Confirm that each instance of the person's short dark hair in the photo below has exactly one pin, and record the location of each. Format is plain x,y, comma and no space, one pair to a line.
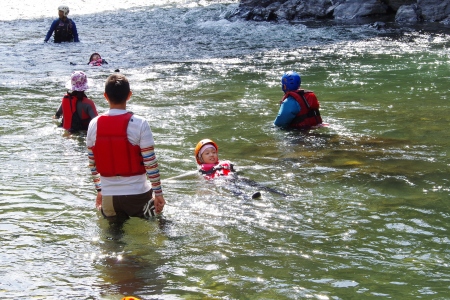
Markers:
92,55
117,88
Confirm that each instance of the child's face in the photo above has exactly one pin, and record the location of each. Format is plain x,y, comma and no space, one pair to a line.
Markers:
95,57
210,156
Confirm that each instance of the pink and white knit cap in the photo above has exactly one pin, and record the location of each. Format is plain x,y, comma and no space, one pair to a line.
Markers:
203,149
78,82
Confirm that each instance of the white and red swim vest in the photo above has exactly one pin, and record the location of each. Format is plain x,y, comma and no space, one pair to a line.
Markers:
114,154
211,171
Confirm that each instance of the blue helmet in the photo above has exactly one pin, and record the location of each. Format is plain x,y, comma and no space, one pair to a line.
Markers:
290,81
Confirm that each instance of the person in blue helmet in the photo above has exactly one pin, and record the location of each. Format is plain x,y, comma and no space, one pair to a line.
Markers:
299,109
64,28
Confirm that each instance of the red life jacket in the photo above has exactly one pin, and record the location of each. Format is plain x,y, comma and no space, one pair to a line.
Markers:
114,154
71,120
211,171
309,114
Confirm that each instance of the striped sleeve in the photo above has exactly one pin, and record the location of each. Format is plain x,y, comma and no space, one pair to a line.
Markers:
93,168
151,167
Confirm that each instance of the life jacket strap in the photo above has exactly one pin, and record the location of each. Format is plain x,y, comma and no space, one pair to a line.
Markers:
311,112
210,171
214,169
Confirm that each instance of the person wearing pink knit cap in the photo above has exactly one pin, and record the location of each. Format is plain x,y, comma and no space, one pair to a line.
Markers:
76,109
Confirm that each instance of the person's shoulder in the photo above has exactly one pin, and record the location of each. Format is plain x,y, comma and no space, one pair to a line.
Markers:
89,100
138,119
310,95
290,98
308,92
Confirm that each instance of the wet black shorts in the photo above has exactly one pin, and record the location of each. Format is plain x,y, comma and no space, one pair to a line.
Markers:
125,206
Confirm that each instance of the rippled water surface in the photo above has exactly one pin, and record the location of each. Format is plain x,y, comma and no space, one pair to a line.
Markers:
367,212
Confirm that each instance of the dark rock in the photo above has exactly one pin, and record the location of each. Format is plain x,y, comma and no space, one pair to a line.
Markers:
352,9
396,4
408,14
434,10
378,25
407,11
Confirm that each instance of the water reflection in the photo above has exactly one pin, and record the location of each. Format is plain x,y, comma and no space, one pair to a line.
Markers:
129,257
367,210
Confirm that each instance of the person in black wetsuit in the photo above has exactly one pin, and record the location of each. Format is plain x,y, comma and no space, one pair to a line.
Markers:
64,28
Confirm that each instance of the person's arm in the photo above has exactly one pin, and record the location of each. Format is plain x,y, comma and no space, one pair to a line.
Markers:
50,31
288,110
95,177
90,109
58,113
147,145
75,32
90,140
152,170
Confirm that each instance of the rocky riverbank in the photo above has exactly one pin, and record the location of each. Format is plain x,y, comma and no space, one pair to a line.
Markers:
402,11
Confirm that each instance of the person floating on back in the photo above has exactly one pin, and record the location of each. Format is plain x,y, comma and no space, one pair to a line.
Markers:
299,109
76,108
96,60
206,155
64,28
121,153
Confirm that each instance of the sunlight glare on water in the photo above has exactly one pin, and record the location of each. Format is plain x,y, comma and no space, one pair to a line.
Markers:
355,210
12,10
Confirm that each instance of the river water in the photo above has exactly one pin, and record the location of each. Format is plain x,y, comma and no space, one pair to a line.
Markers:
368,210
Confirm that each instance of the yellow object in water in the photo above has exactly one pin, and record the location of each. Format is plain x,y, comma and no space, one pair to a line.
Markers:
352,163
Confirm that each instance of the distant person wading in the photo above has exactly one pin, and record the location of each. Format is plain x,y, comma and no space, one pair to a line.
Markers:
64,28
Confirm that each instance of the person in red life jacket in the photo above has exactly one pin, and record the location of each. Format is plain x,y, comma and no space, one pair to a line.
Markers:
206,155
121,153
96,60
299,109
76,108
64,28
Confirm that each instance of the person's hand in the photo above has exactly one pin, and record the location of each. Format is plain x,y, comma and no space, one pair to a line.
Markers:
98,201
159,203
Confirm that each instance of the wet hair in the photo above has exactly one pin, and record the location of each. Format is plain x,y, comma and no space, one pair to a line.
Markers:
117,88
92,55
79,94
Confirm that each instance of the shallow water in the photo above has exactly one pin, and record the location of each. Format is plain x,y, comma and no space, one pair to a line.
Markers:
368,210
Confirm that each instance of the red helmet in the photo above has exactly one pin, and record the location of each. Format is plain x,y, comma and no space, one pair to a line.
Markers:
199,147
